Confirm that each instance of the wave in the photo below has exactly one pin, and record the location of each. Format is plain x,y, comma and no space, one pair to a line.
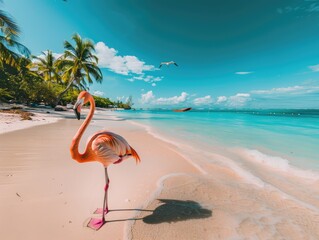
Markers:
276,163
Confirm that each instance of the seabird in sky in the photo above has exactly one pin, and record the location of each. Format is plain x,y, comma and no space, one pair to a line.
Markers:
168,63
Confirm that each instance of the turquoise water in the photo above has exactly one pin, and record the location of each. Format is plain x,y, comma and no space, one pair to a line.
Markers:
292,135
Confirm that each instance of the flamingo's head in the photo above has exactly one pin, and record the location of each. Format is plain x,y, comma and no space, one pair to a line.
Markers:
83,98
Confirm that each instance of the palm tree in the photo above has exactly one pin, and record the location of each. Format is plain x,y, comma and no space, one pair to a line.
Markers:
9,33
78,64
45,66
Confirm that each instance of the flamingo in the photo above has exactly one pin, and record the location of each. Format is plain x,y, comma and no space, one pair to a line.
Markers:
168,63
104,147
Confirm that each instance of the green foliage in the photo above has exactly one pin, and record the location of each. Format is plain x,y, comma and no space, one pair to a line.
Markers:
127,105
43,92
5,95
45,66
44,80
103,102
70,96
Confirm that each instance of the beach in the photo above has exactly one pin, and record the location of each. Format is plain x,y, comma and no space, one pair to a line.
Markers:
176,192
47,195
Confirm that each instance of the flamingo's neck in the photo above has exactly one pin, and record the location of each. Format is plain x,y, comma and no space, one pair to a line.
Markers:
74,149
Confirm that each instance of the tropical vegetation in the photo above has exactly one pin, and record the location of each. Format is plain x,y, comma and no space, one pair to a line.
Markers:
47,79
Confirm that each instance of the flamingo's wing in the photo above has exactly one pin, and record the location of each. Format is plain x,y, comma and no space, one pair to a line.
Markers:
107,147
110,147
103,151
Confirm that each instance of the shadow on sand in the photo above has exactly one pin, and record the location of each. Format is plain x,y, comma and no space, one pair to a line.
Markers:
171,211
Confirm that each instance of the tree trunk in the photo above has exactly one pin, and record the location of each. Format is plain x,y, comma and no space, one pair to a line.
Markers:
63,92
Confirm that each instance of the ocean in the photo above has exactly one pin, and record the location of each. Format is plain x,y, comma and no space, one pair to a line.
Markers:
276,149
278,138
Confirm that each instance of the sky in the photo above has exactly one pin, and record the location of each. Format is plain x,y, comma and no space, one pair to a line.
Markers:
230,53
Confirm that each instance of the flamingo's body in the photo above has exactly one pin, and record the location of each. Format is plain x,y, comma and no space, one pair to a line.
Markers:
104,147
168,63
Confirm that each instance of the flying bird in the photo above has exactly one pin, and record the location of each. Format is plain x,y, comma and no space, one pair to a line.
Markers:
168,63
104,147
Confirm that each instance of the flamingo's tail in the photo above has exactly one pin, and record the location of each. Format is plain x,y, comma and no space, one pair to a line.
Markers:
135,155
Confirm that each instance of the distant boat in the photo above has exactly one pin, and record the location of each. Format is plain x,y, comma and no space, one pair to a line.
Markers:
182,109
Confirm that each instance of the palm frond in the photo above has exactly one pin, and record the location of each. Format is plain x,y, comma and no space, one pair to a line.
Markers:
8,25
8,56
69,46
11,43
78,64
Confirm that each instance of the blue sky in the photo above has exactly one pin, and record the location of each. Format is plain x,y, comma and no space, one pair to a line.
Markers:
231,54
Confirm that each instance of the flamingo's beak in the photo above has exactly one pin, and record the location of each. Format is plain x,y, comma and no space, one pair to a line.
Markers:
77,108
77,114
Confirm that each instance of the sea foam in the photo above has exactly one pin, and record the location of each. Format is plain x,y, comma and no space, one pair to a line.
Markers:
276,163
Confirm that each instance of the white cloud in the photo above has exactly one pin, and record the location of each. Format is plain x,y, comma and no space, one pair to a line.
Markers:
221,99
147,97
238,100
146,78
154,84
314,68
203,100
242,95
109,58
141,77
157,79
243,73
135,65
172,100
284,90
98,93
260,97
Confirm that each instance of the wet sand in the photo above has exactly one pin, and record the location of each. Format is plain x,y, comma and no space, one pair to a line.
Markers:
208,209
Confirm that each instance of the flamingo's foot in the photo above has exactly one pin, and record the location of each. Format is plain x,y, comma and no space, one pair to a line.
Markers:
96,223
100,210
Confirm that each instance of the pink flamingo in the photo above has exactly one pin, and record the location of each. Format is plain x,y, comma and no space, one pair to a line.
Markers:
104,147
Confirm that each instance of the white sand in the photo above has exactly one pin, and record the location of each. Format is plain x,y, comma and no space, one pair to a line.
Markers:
11,122
44,194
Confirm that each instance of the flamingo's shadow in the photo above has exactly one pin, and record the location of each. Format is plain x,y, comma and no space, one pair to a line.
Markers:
171,211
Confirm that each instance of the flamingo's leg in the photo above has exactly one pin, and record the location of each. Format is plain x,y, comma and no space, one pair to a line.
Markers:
105,203
105,208
97,223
